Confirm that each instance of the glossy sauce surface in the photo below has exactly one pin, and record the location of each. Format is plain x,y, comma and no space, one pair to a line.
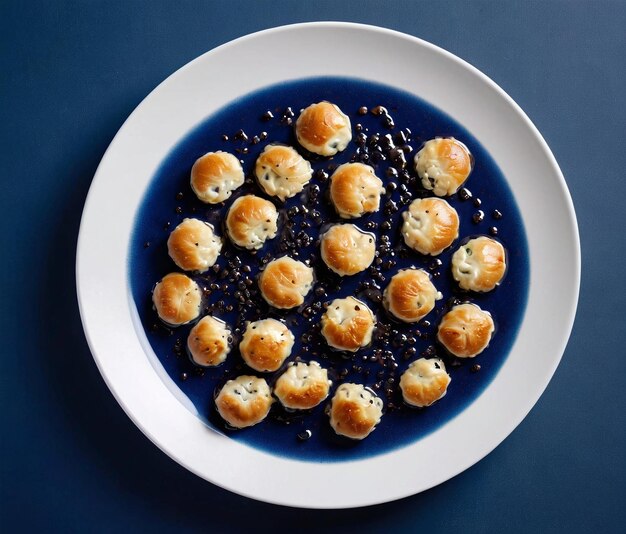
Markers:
389,127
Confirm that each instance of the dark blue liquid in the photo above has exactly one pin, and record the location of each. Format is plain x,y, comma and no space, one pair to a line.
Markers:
163,207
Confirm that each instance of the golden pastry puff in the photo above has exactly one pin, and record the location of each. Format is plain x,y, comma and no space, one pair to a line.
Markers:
266,344
430,225
215,176
323,129
443,164
410,295
480,264
244,401
193,245
177,299
285,282
346,249
348,324
208,342
302,386
251,221
466,330
424,382
355,411
282,172
355,190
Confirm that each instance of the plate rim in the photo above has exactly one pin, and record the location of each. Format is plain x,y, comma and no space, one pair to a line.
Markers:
563,190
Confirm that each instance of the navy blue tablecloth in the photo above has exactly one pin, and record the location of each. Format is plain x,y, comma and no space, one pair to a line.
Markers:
71,72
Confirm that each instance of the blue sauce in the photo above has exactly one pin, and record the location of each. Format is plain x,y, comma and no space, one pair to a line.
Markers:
308,436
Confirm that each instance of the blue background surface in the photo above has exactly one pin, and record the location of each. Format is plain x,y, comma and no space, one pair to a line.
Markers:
70,73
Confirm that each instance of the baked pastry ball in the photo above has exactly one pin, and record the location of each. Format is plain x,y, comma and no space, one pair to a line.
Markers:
302,386
215,176
466,330
323,129
430,225
348,324
424,382
251,221
355,190
208,343
347,249
480,264
285,282
282,172
266,344
177,299
443,164
410,295
355,411
244,401
194,246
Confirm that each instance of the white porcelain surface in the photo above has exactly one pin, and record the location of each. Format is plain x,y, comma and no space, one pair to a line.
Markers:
194,92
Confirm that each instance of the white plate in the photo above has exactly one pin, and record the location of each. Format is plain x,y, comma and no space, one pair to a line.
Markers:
208,83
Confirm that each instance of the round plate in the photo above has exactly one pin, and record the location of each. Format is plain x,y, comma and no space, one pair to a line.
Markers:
291,52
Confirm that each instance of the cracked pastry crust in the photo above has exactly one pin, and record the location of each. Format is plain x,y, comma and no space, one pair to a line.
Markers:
348,324
443,165
355,190
479,264
430,225
282,172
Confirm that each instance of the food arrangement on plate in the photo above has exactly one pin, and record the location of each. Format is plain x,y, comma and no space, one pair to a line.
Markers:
325,276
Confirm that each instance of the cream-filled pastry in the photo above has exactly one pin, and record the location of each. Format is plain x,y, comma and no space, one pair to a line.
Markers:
193,245
346,249
266,344
430,225
443,164
323,129
355,190
355,411
244,401
410,295
424,382
282,172
208,342
348,324
285,282
177,299
466,330
215,176
251,221
479,264
302,386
